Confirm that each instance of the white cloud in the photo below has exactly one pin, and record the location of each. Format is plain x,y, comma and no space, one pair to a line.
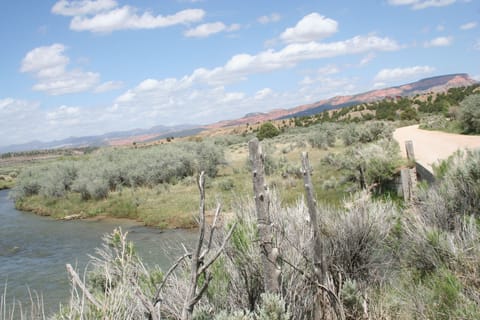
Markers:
263,93
439,42
328,70
69,82
273,17
321,87
396,74
21,115
366,60
241,65
108,86
468,26
49,65
208,29
104,16
82,7
201,96
422,4
312,27
126,18
378,85
45,60
64,115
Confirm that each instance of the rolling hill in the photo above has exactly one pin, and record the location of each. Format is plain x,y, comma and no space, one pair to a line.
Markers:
433,84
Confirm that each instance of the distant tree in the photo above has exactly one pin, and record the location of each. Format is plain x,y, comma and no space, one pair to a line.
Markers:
267,130
470,114
409,113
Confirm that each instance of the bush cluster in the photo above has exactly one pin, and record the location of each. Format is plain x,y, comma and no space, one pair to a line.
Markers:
366,132
110,170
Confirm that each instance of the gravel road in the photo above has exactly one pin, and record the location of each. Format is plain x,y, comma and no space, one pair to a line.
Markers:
431,146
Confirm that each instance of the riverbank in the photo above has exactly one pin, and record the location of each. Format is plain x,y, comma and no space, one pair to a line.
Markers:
143,206
34,251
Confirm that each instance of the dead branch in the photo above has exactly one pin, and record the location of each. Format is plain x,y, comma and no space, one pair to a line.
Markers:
167,275
199,267
76,281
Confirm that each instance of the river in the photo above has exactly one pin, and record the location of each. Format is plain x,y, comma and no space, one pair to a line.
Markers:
34,250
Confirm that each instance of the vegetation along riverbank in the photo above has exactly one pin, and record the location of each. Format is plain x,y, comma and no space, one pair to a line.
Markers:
350,148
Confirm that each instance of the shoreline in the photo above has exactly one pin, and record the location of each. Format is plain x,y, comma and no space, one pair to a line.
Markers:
72,215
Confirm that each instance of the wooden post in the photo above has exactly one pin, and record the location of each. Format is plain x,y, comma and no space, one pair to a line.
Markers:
271,273
318,256
406,185
409,183
409,149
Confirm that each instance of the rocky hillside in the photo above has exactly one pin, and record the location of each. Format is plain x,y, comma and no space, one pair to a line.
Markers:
433,84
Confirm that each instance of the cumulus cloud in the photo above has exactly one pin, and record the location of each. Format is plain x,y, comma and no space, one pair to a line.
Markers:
108,86
19,114
104,16
468,26
201,96
439,42
208,29
273,17
65,115
397,74
366,60
49,65
126,18
263,93
422,4
312,27
82,7
241,65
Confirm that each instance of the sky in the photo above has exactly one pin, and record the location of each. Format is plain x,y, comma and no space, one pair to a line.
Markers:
87,67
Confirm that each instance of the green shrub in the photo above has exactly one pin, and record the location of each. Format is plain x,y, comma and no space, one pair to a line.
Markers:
470,114
267,130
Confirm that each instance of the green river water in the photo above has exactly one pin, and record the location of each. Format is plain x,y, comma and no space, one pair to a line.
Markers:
34,250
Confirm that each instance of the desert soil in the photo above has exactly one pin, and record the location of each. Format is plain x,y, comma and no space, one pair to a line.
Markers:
431,146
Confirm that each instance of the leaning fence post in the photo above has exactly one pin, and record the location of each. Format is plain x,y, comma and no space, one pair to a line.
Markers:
317,249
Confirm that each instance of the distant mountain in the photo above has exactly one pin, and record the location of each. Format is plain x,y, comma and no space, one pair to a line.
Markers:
107,139
433,84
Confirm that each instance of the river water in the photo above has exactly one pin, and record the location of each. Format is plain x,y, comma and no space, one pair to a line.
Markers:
34,250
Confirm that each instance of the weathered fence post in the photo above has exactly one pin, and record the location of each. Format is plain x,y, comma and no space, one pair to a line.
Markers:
409,175
318,258
409,149
317,247
271,273
328,301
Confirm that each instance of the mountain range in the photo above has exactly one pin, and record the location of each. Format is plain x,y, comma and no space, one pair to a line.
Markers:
433,84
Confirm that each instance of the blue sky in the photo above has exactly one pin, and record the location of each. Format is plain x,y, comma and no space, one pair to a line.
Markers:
85,67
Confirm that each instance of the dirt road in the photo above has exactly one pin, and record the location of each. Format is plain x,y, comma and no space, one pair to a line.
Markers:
431,146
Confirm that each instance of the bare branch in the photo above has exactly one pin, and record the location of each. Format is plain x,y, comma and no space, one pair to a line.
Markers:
219,251
167,275
76,280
